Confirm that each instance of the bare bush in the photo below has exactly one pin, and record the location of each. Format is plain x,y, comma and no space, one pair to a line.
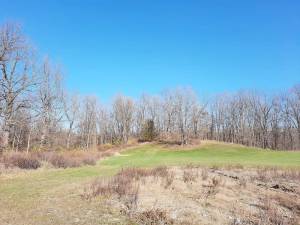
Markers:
118,185
291,174
89,160
134,173
137,173
56,159
262,175
122,186
189,175
100,187
288,202
69,159
169,179
161,171
21,161
212,188
269,214
153,216
60,161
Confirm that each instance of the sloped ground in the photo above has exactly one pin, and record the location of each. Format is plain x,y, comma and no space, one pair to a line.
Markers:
194,195
54,196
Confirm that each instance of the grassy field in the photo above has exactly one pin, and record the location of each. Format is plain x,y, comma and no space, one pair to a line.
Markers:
52,196
208,154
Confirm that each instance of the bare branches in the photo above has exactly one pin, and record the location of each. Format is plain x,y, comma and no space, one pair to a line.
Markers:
15,81
37,111
123,109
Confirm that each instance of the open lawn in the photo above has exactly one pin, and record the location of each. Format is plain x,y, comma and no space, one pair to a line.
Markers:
209,153
52,196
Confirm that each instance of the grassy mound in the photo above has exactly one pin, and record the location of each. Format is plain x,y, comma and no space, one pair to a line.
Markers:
52,196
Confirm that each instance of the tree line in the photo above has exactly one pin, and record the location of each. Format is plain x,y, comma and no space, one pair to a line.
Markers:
37,111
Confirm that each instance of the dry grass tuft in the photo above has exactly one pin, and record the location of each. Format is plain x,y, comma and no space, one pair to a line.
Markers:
190,175
136,193
270,214
123,187
266,174
212,188
288,202
153,217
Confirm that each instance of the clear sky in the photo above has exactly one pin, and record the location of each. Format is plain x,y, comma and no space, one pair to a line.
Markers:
109,46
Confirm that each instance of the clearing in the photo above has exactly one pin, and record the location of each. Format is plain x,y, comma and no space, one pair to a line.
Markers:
54,196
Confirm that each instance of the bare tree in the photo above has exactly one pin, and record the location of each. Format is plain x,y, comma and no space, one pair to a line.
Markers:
88,122
123,111
293,101
16,78
49,100
71,106
105,126
186,101
169,111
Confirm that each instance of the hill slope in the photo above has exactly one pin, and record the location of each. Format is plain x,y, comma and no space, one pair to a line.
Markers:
209,153
52,196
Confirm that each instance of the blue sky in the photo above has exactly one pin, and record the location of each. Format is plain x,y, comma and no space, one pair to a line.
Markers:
108,47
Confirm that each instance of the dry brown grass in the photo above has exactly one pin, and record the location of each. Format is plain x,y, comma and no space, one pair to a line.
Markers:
190,175
181,196
153,217
123,183
267,174
63,159
59,158
22,161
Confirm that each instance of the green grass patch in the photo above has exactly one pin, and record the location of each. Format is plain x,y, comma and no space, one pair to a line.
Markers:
208,154
25,192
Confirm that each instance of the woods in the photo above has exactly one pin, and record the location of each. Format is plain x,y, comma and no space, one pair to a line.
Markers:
38,112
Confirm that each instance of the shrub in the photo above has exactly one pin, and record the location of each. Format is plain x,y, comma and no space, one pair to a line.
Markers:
153,216
148,131
189,175
134,173
107,153
169,179
58,161
137,173
88,160
22,161
161,171
69,159
121,186
100,187
262,175
63,159
270,214
212,189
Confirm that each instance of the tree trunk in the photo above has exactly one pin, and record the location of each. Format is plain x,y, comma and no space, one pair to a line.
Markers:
28,141
4,139
69,135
